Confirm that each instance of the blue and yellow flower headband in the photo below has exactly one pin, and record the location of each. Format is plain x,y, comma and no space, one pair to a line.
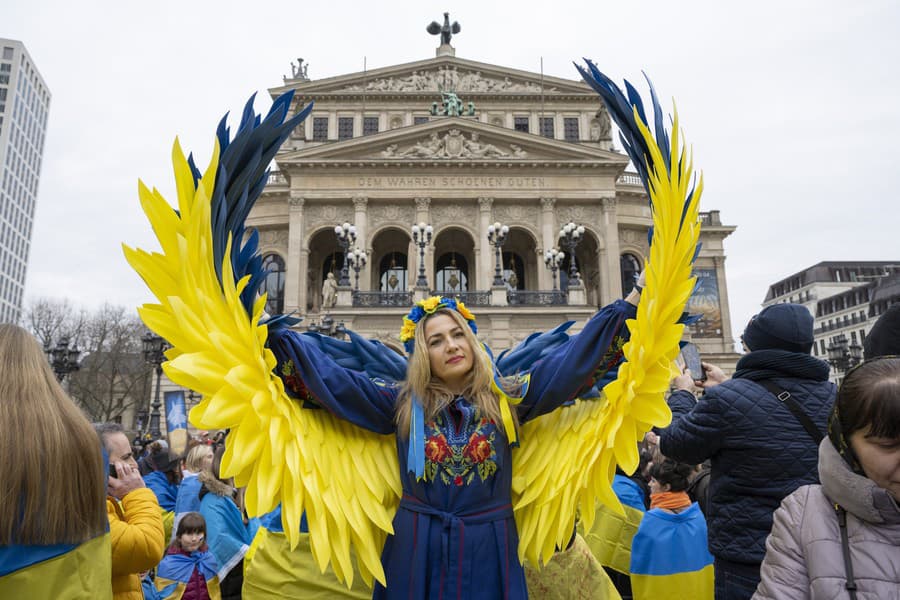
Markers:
429,306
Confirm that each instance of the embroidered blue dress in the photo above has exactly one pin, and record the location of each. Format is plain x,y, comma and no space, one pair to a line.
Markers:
454,533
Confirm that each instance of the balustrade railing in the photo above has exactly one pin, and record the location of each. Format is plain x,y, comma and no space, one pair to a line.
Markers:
469,298
537,297
404,299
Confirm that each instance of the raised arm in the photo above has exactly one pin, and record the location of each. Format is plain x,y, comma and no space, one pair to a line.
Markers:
573,368
311,375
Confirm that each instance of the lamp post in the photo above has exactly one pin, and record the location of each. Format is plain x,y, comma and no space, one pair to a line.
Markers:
842,355
63,359
569,237
154,353
357,260
553,258
421,234
346,237
497,235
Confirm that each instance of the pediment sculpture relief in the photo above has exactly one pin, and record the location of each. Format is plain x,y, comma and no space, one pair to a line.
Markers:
447,78
453,144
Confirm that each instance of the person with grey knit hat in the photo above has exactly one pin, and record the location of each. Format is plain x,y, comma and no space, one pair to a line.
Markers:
760,430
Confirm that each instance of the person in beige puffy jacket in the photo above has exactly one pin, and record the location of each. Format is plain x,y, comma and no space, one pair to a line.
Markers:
841,539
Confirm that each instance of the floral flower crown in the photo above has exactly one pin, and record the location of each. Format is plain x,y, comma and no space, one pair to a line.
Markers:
429,306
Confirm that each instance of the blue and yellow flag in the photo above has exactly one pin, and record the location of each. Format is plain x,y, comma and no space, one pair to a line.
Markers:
58,571
670,558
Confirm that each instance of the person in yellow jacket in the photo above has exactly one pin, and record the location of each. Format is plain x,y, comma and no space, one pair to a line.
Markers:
135,520
54,541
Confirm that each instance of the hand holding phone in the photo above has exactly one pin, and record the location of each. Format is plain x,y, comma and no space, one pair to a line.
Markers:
112,471
691,356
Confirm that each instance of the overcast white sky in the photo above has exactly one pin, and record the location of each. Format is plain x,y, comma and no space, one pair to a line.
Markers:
792,108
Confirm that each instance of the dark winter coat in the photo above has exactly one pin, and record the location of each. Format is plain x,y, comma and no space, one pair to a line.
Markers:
759,451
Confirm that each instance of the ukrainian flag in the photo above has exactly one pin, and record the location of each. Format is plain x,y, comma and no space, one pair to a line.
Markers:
76,572
610,537
670,558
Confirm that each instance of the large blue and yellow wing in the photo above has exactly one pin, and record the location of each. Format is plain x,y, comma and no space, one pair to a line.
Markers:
591,437
208,310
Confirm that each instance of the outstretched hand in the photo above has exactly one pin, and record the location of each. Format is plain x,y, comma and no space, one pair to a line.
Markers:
714,376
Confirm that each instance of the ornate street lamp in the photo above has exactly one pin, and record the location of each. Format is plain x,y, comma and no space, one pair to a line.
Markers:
421,234
154,348
553,258
569,237
842,355
346,237
497,235
63,359
357,260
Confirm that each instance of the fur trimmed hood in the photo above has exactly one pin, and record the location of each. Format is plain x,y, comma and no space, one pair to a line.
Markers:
217,487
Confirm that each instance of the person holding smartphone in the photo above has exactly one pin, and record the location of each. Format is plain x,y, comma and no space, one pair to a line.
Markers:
760,429
135,520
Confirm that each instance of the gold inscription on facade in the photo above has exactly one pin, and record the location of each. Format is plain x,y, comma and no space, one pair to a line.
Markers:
456,181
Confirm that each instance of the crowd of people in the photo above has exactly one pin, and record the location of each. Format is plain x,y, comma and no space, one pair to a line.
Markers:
772,483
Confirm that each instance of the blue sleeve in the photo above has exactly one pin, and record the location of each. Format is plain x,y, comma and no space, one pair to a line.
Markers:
697,428
573,368
312,376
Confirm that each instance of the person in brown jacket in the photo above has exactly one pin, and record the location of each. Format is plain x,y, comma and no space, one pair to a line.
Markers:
135,520
841,539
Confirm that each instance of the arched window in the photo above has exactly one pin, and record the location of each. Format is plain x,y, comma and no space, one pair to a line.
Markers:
513,271
392,273
630,267
273,284
452,274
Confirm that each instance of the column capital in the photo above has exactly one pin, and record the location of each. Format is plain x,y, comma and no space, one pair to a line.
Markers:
360,202
423,202
548,204
485,203
296,200
718,261
609,203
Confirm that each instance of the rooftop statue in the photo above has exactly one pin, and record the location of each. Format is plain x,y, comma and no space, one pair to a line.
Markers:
446,30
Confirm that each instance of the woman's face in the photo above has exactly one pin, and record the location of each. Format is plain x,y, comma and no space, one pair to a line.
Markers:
880,459
191,542
449,351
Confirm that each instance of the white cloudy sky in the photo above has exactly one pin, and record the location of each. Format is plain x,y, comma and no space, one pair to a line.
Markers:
793,108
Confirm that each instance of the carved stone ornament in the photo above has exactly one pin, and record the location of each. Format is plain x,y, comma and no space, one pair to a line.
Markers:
273,238
360,202
574,214
453,144
547,204
448,78
448,213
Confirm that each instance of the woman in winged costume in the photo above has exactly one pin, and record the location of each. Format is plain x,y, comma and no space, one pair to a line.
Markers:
410,466
454,420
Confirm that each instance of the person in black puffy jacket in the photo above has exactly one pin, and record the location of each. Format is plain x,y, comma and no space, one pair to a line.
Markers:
759,450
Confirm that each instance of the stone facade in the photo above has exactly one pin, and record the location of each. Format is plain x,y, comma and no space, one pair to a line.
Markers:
536,155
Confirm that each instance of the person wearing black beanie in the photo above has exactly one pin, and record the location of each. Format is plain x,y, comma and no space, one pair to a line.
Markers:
884,338
760,450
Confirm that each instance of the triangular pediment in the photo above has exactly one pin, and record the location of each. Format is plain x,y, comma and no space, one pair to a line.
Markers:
444,73
449,139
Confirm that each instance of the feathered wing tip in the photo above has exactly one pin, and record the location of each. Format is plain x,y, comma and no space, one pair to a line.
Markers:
592,437
243,173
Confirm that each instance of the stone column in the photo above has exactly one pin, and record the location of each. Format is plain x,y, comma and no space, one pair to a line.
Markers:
303,280
295,273
727,339
361,220
548,240
423,215
485,263
611,278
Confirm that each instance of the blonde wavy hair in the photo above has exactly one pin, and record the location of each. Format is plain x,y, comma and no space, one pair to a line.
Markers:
435,395
194,460
53,476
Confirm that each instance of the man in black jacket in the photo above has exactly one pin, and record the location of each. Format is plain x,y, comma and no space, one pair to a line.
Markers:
759,450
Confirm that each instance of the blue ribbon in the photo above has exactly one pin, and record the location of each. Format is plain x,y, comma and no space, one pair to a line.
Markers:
416,457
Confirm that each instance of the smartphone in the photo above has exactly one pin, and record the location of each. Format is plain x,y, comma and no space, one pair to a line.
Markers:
112,472
691,356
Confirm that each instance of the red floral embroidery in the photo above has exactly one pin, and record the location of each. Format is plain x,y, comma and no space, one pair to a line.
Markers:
478,449
457,480
436,448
